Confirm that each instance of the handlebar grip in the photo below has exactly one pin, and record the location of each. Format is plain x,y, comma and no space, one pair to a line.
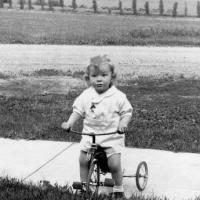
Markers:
120,132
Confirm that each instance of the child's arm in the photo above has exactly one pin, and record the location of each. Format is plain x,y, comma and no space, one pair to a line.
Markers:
123,124
74,117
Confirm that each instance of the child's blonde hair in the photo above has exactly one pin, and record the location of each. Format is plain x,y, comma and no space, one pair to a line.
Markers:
96,62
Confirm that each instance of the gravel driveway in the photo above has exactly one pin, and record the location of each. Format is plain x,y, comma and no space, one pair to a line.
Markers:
135,61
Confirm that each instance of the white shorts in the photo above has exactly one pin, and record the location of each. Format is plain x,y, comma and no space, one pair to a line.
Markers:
109,150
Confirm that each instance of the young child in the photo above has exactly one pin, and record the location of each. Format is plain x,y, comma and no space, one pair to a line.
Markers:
104,109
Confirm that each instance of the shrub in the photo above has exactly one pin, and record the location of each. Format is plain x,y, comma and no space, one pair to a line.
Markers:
161,7
174,11
134,7
146,6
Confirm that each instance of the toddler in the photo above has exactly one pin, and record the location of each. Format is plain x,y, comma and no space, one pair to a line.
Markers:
104,109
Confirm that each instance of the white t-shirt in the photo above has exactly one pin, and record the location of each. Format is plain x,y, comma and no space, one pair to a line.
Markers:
101,114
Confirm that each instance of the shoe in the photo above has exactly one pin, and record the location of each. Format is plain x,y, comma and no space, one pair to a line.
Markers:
119,196
80,192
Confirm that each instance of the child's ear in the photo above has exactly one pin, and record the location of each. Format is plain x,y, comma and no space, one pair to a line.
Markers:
114,76
87,79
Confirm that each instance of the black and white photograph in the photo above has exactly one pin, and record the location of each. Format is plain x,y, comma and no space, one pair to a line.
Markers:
99,99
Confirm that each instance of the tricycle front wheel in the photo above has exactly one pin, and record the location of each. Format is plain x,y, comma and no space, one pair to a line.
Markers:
93,181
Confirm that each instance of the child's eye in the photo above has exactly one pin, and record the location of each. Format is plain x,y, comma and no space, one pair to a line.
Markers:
104,74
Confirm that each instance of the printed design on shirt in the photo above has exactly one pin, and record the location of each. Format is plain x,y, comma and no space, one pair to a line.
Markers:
93,106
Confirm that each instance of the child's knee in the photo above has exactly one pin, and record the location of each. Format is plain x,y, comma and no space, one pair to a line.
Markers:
114,163
83,159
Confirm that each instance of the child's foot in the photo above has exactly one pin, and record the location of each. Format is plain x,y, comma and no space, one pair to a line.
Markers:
119,196
80,192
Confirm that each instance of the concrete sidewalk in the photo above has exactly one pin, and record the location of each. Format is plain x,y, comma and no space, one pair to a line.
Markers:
174,175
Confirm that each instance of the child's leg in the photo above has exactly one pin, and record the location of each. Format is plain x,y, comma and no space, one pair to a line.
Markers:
83,166
114,164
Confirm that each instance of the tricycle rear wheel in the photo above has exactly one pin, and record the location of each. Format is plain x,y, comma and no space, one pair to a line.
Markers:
141,176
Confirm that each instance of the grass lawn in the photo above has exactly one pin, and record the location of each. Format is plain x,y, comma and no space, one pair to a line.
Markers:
101,29
12,189
166,111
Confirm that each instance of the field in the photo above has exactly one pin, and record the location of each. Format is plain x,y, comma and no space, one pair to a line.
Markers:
30,27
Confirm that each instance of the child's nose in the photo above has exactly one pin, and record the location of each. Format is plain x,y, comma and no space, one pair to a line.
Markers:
99,78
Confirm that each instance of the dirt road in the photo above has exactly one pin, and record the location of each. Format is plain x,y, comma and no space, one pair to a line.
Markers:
134,61
174,175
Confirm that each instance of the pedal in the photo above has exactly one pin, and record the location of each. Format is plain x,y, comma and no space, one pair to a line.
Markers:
77,185
108,182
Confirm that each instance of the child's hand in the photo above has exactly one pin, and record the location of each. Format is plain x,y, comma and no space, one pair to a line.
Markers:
122,128
66,126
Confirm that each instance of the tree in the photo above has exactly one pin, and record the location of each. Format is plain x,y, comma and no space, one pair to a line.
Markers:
1,4
161,7
62,3
21,2
42,4
186,9
198,9
174,11
30,5
10,3
134,7
74,5
94,3
146,6
120,8
50,5
109,11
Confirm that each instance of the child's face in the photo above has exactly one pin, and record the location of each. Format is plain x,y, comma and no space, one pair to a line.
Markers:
100,78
